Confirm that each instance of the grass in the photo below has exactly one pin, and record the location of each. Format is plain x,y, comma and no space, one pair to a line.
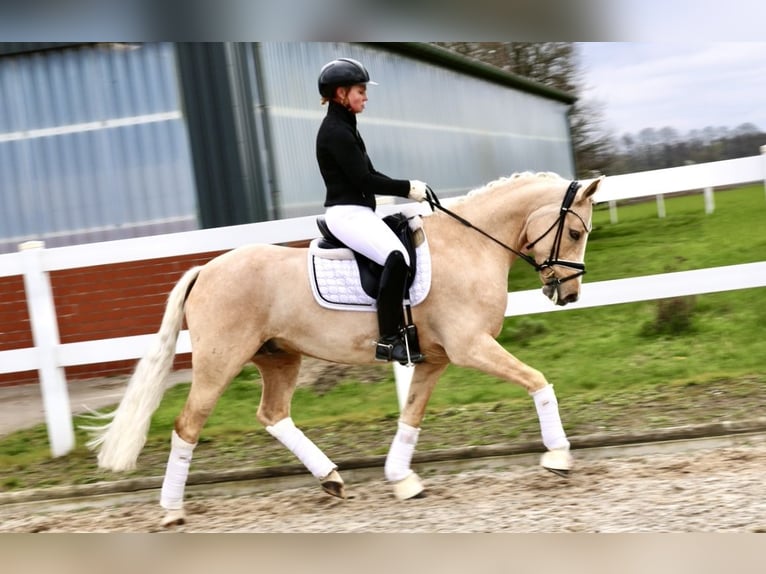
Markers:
617,368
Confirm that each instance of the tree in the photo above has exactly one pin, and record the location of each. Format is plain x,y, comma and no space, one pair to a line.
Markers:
656,149
593,145
554,64
746,129
596,150
550,63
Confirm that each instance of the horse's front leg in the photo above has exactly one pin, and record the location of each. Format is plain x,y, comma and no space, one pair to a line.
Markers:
406,483
486,354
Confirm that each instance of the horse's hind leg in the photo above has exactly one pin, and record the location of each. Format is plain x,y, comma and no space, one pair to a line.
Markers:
210,376
279,372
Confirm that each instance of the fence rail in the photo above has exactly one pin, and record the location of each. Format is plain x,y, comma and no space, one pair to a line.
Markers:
49,356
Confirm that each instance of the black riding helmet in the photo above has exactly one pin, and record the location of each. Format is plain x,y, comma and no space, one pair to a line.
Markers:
341,72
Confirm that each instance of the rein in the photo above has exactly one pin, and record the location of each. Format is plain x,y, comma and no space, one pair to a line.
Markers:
553,258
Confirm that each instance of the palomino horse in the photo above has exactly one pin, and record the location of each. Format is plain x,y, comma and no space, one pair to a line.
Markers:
254,303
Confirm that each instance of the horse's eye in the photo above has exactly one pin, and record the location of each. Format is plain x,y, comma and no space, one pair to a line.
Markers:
574,234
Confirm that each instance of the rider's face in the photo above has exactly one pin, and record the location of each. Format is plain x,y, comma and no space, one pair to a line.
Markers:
355,98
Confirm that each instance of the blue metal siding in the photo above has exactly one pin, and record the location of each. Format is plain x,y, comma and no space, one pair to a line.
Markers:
93,146
422,121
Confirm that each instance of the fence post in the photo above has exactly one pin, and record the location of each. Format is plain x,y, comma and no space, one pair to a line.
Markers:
45,334
660,206
709,201
763,162
403,377
613,211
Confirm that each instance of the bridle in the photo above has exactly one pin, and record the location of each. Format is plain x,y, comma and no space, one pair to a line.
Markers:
553,257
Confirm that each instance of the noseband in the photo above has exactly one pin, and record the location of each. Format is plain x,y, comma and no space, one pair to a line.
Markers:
553,257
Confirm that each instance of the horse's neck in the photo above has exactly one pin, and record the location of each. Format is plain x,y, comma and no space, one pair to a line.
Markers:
502,213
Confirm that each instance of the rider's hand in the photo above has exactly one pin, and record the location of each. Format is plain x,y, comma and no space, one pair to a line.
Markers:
417,190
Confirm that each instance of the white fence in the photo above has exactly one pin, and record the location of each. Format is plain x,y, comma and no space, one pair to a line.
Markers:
704,176
49,356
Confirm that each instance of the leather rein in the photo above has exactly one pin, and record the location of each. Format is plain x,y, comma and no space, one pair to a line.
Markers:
553,257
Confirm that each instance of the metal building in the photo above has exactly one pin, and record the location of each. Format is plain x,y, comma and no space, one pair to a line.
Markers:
107,141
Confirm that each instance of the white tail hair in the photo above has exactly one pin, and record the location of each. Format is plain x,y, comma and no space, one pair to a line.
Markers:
120,441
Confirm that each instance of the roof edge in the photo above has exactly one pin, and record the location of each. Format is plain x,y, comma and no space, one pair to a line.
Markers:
454,61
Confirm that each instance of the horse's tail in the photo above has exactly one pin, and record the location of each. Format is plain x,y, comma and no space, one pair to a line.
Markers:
120,441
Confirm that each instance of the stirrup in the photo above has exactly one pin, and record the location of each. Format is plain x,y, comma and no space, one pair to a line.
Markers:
394,348
384,348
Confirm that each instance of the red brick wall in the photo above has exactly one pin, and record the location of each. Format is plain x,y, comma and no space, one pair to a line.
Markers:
15,332
14,318
101,302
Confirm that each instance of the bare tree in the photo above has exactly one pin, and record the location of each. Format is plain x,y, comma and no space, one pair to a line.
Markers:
550,63
745,129
596,150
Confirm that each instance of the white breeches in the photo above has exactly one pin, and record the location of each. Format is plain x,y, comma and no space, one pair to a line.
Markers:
364,231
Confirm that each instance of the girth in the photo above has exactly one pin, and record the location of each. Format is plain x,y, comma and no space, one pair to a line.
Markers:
369,271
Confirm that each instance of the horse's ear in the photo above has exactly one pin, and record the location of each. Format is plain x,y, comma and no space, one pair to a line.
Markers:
589,190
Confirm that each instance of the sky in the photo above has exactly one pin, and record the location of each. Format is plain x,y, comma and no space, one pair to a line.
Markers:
684,85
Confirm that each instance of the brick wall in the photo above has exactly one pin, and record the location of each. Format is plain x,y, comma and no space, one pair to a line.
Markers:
101,302
15,332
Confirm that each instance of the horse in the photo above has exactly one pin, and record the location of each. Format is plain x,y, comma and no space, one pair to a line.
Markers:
254,304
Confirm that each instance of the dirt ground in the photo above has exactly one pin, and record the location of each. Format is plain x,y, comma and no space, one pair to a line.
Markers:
716,489
710,489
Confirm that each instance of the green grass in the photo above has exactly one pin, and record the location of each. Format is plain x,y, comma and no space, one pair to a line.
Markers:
603,346
628,366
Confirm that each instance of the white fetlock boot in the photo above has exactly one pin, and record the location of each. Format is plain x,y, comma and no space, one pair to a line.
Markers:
405,482
558,458
310,455
174,483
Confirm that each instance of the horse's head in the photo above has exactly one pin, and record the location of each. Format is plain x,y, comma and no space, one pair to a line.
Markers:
556,235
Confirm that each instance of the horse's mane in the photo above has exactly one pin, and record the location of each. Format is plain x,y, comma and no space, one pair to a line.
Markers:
513,180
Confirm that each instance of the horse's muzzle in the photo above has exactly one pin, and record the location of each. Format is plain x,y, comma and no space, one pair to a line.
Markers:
551,290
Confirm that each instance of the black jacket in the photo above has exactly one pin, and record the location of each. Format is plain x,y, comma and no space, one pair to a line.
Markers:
345,166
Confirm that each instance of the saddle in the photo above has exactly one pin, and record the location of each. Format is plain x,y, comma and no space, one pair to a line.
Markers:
369,271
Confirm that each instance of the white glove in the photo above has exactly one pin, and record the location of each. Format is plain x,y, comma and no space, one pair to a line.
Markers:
417,190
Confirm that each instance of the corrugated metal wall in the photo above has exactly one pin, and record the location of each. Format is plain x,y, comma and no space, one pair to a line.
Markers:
93,146
422,121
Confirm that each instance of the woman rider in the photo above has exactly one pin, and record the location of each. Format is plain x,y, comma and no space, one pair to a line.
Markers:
352,184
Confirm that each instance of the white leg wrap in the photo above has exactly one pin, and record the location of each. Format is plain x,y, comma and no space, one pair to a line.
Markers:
301,446
176,473
547,407
400,454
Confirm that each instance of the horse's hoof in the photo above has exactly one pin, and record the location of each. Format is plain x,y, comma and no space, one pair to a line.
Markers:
332,484
561,473
409,487
558,461
174,518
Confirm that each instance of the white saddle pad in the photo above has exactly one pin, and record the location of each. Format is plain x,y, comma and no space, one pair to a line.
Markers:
335,282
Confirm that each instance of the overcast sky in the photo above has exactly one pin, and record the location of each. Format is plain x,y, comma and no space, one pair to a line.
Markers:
682,85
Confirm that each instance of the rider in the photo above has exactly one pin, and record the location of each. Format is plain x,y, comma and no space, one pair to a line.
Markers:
352,183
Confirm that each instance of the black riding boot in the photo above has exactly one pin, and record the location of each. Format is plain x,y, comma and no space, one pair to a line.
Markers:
392,344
